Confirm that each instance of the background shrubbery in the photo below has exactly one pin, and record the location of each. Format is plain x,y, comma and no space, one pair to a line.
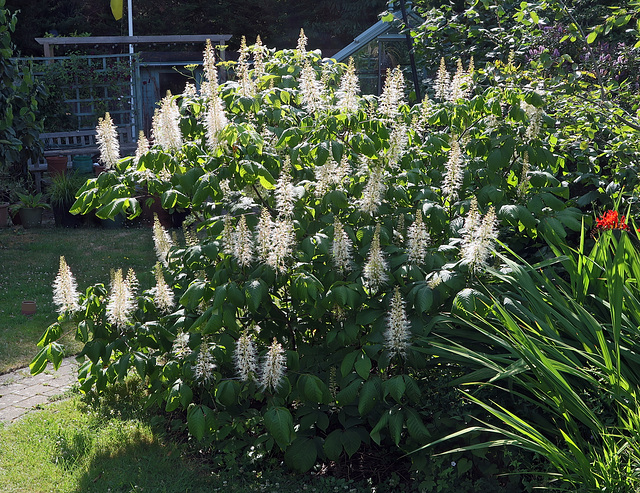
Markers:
339,277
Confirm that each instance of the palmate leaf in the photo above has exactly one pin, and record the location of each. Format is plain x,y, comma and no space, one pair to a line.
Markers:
53,333
52,352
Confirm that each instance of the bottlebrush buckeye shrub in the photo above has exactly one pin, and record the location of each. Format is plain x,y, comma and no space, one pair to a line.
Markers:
328,231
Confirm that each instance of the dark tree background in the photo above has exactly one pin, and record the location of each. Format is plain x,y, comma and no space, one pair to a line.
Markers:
329,24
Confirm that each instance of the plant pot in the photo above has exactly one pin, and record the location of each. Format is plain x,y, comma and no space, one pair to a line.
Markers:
57,164
97,169
64,219
28,307
116,223
4,214
15,217
150,205
31,217
82,164
178,217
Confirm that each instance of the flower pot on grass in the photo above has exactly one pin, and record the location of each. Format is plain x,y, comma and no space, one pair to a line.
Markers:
62,192
31,217
116,223
28,307
29,209
4,214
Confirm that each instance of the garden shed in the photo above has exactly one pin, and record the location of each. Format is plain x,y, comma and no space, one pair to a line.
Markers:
380,47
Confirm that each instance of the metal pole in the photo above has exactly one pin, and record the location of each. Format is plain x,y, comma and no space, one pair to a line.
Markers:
130,19
412,59
133,73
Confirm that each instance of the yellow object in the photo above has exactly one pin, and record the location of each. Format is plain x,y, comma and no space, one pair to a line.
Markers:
116,9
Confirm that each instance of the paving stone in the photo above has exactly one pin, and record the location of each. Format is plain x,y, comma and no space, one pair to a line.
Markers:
32,401
19,391
13,399
51,391
12,413
14,388
42,378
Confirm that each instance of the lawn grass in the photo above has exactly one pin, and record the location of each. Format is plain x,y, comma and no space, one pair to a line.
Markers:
29,261
71,447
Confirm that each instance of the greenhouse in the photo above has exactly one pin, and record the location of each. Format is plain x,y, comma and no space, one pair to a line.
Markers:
383,46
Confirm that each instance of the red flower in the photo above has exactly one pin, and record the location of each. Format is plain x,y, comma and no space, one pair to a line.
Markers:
610,220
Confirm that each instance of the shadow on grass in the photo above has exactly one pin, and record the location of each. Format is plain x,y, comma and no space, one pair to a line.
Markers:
143,463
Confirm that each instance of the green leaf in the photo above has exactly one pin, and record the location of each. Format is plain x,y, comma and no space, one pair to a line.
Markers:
424,299
55,354
368,316
348,394
333,445
122,366
347,363
395,387
369,396
350,441
337,148
226,393
364,145
363,366
186,395
592,37
193,295
279,424
463,465
312,388
39,362
53,333
179,393
396,420
415,426
301,455
196,422
380,425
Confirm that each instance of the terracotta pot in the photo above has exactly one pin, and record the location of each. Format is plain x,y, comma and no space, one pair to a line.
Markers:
4,214
57,164
28,307
97,169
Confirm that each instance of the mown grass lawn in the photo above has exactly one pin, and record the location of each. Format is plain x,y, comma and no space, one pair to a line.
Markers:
70,446
29,261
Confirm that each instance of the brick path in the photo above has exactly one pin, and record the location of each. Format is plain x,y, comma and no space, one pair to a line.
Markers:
20,392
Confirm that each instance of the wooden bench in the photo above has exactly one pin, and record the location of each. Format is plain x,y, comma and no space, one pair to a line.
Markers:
75,143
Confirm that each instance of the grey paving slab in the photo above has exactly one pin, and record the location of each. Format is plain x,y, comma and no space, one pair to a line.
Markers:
13,388
21,392
33,401
13,413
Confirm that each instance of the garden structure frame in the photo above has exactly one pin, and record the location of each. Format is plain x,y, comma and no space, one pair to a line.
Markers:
137,113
